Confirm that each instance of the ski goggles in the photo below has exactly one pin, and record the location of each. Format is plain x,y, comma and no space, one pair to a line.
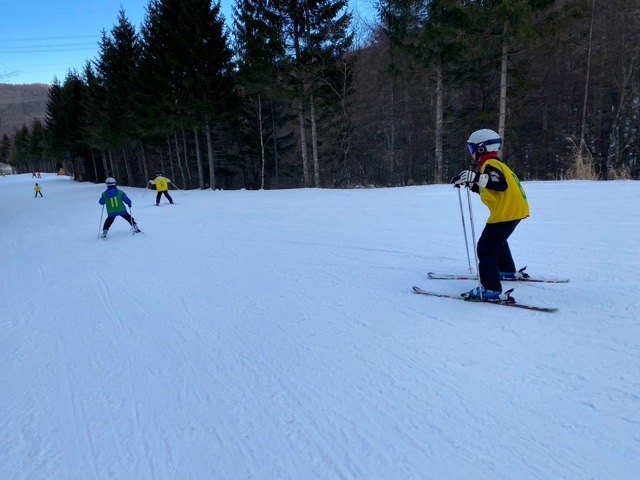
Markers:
473,147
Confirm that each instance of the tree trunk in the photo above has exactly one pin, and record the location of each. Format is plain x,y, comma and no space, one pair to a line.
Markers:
439,127
145,167
275,143
303,138
503,80
175,137
127,167
196,139
114,166
210,157
95,167
104,163
171,162
186,157
392,140
583,127
314,141
261,132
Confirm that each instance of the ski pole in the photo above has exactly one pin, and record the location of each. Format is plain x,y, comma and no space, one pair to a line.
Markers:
473,238
145,190
100,224
174,185
132,220
464,230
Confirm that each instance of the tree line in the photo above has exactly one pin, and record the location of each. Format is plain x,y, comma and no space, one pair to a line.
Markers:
295,93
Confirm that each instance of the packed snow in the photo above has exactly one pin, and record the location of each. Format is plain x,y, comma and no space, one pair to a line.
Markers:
275,335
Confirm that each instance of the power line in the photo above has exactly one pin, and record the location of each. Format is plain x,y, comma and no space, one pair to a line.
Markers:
49,50
37,39
21,48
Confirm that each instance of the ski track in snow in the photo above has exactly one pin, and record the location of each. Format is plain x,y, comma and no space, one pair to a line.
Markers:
275,335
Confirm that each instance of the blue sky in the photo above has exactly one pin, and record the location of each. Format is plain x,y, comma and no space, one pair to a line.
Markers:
43,39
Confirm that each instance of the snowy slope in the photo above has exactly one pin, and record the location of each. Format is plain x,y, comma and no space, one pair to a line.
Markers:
274,335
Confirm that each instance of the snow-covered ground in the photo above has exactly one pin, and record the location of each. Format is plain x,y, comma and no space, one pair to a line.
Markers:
274,335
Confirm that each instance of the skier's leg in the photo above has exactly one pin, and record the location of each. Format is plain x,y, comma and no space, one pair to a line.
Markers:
505,259
490,247
487,259
108,222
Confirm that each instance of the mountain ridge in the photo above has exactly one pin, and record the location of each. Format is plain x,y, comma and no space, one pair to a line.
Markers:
21,105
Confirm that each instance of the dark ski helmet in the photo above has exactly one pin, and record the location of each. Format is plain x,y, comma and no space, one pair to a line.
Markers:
110,181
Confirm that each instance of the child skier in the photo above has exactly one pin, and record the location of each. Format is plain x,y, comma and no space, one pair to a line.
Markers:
115,200
38,190
162,186
501,192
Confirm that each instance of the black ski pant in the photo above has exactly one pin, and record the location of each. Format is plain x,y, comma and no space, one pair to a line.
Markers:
38,193
494,255
109,221
166,194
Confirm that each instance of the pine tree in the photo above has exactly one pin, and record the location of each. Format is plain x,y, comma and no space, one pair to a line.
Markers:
186,71
433,33
261,65
317,40
5,148
116,87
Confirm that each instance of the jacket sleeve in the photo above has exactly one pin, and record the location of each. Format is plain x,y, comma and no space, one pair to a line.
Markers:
496,180
101,201
126,199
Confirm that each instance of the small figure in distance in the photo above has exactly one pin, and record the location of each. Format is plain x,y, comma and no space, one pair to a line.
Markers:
162,187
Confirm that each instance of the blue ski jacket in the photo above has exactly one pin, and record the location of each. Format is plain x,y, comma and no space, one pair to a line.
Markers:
111,193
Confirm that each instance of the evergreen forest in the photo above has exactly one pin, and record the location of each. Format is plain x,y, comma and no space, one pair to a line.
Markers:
302,93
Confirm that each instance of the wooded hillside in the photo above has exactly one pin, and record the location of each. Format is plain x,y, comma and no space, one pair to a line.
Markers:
295,95
20,105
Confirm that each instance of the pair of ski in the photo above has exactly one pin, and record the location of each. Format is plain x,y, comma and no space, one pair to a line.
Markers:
521,276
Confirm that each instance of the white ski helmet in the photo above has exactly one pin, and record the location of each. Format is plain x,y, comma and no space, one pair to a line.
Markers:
110,181
484,140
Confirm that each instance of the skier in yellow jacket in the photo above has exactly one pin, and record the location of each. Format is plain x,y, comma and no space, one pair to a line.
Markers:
162,186
501,192
38,190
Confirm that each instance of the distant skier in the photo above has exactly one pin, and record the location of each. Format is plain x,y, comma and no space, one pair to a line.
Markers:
115,200
162,186
501,192
38,190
